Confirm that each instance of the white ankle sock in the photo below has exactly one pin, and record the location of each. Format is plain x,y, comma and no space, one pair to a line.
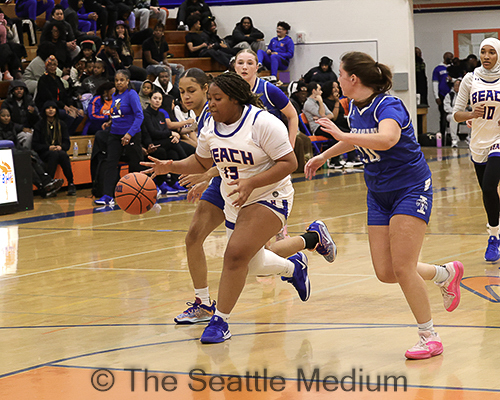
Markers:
203,295
441,274
224,317
428,326
493,230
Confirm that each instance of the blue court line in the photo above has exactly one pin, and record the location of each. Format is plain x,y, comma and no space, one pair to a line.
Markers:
97,210
57,362
332,324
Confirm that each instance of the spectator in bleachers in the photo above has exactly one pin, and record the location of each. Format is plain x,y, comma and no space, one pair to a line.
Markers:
191,7
10,64
156,131
87,21
68,34
51,88
124,135
209,27
155,55
55,33
163,84
322,73
106,15
36,68
99,109
331,98
51,141
22,110
9,130
303,147
314,109
198,45
88,51
15,32
126,53
77,74
109,55
246,36
147,9
98,78
145,93
30,9
279,51
82,22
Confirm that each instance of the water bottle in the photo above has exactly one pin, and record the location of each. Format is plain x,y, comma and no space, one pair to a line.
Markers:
75,150
439,142
89,148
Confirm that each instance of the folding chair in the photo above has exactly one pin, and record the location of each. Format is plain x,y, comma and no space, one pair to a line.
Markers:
317,141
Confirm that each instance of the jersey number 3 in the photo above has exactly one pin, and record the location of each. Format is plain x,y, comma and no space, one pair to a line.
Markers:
231,172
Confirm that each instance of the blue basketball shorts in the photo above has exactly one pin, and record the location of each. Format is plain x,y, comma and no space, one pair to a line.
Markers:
212,194
414,200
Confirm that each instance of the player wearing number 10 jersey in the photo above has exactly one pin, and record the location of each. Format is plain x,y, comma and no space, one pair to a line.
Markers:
482,89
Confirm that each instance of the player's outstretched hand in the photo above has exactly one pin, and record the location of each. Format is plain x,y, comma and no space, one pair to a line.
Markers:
331,128
243,187
312,166
157,167
195,191
193,179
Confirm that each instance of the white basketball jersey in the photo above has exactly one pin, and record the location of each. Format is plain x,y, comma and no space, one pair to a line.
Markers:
245,149
485,130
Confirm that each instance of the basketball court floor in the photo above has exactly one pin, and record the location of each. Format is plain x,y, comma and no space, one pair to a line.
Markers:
88,297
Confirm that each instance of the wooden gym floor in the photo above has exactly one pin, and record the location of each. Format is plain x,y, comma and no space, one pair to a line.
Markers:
83,290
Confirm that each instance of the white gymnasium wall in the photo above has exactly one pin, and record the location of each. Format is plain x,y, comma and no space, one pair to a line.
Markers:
389,22
434,36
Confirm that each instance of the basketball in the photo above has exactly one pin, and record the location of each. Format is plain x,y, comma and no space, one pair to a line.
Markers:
135,193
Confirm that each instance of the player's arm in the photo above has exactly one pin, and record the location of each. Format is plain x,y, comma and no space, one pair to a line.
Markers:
316,162
284,166
193,164
387,136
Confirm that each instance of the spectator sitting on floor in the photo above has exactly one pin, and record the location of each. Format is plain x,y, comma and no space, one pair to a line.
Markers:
51,141
322,73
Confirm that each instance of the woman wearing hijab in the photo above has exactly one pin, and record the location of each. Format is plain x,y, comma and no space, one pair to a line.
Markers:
481,88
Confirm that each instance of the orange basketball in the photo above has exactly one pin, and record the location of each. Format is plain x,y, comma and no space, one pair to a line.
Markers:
135,193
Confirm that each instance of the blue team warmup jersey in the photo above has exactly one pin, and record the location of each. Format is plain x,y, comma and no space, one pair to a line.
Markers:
273,97
403,165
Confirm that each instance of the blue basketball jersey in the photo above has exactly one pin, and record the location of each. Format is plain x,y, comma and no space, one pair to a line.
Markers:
202,118
401,166
273,97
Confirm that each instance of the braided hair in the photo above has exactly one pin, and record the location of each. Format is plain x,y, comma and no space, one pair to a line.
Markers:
237,88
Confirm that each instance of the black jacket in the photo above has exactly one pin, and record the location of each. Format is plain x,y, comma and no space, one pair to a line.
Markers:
154,127
20,114
238,35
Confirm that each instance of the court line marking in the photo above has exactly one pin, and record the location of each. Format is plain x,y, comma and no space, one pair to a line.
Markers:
57,362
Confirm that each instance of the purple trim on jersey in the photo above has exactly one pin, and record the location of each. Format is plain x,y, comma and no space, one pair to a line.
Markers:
283,210
255,118
202,118
236,130
229,225
485,81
